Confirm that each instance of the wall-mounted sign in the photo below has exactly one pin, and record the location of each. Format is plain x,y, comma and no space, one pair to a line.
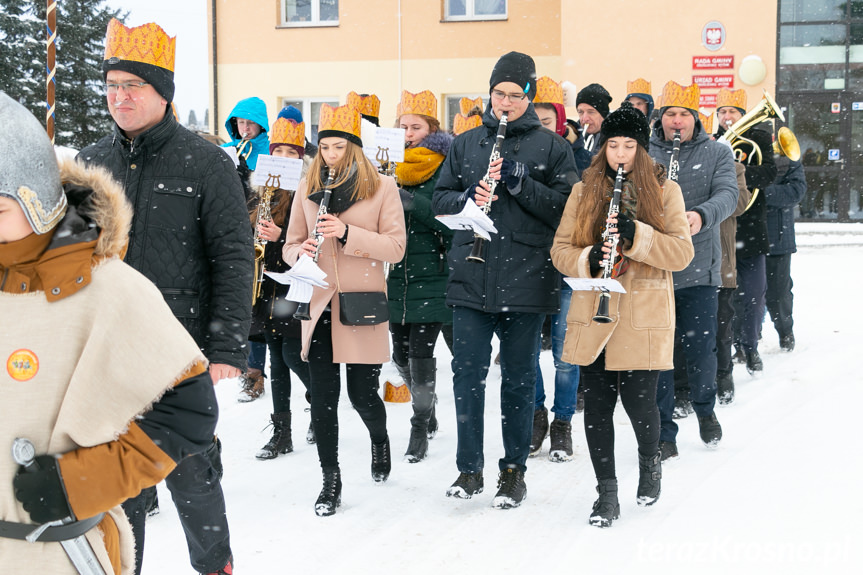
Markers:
714,81
707,101
857,106
832,154
835,107
713,35
712,62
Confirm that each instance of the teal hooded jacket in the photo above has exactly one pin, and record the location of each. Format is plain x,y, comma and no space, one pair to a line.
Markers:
255,110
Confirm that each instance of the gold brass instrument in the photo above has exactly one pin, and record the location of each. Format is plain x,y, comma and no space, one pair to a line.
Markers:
387,167
608,264
766,108
786,144
264,213
477,252
244,147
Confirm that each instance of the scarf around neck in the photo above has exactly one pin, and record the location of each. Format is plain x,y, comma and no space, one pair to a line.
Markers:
419,166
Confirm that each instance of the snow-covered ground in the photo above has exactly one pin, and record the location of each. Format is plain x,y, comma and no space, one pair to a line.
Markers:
778,496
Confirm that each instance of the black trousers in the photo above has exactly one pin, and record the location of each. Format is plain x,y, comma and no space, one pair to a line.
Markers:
285,358
638,395
196,489
363,382
780,300
724,331
414,340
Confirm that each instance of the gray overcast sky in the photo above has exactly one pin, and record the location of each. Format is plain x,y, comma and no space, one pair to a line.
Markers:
187,20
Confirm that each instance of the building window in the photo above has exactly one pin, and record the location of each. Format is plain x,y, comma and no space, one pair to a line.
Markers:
474,9
311,109
452,105
310,13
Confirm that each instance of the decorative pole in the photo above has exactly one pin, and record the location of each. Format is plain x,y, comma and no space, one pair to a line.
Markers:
52,66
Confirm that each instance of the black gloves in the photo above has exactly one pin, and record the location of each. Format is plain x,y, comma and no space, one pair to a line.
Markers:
595,257
407,199
511,174
40,490
625,226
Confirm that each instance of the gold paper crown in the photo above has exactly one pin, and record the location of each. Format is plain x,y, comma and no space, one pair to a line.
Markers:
548,92
342,119
726,97
366,105
673,94
462,123
287,131
423,103
148,44
640,86
706,122
466,105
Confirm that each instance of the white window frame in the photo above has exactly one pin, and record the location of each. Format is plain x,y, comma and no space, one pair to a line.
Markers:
470,13
314,22
305,106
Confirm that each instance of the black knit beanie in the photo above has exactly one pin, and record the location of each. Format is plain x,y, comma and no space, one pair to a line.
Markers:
160,78
628,122
596,96
517,68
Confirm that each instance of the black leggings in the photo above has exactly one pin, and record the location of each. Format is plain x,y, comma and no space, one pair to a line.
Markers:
363,385
285,358
638,395
414,340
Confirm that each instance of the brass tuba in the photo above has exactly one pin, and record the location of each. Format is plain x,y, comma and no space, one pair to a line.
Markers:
766,108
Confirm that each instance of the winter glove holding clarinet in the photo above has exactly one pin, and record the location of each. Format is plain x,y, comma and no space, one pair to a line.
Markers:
40,490
512,174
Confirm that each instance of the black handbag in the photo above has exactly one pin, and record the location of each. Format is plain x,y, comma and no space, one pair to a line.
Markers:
363,307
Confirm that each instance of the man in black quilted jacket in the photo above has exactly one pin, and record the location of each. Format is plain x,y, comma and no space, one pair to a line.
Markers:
191,237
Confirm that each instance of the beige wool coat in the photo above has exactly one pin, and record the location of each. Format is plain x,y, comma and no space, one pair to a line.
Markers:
376,236
641,337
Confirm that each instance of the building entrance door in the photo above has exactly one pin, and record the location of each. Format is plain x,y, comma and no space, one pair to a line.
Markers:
829,127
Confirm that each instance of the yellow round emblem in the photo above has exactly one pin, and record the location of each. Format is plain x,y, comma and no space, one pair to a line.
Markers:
22,365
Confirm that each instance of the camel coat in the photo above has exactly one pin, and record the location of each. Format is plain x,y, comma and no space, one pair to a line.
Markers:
376,235
641,337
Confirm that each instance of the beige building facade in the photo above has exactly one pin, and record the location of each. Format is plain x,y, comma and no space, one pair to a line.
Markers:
808,55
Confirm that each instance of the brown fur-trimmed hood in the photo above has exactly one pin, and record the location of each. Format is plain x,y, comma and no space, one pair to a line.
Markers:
98,199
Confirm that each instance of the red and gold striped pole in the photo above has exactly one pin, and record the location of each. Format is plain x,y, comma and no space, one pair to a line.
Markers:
52,66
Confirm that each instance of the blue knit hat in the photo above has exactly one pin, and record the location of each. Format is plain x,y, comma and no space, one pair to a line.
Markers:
291,113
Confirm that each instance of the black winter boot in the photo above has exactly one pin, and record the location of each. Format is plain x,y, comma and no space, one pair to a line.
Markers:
381,461
466,486
432,428
511,489
649,479
331,493
422,388
280,443
725,387
710,430
540,431
561,441
605,509
404,371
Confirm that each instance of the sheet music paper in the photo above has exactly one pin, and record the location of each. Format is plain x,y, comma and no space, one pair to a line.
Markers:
232,153
286,170
472,218
589,284
302,277
386,143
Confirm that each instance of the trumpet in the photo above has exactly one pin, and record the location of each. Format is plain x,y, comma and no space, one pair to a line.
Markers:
477,253
264,213
608,263
303,309
244,147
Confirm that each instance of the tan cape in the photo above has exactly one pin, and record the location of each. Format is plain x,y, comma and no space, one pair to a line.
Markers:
97,359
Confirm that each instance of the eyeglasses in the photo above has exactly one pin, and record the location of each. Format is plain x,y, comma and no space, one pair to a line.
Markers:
498,95
128,87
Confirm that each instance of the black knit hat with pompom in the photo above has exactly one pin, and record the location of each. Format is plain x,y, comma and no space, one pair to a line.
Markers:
629,122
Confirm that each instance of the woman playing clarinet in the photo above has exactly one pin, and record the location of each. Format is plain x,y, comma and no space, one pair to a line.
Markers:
624,355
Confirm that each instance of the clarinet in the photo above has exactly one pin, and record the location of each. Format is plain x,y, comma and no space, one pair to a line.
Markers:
608,263
303,311
674,165
478,250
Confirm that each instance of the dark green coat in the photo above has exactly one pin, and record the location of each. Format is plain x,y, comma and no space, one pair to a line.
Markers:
416,286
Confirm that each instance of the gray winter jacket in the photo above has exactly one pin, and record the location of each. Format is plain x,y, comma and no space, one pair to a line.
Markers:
709,184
